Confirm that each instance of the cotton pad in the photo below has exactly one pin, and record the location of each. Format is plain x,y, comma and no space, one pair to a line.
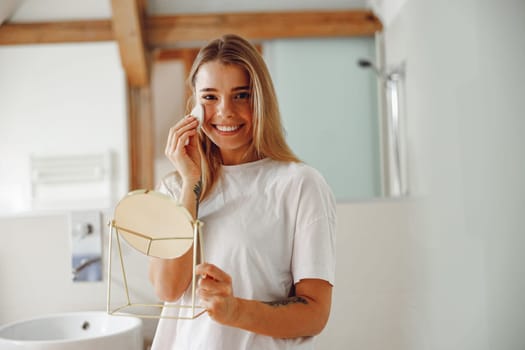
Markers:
198,112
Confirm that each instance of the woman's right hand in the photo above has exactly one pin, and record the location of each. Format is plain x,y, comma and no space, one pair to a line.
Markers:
182,149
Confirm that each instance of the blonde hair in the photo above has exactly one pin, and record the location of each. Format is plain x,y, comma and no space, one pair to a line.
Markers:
268,132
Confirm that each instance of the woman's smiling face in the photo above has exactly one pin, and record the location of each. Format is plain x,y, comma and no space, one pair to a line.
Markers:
224,92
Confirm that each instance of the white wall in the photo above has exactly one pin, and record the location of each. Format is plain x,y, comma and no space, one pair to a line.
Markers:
169,104
376,276
60,10
465,106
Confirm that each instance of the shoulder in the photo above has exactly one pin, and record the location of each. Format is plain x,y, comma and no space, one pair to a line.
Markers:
304,184
298,173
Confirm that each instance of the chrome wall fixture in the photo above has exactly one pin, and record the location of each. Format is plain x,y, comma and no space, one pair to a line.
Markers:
86,245
394,158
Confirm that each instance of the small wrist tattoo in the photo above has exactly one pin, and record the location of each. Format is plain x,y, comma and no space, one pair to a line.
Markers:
197,189
292,300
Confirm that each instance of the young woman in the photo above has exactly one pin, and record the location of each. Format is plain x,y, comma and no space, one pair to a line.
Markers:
269,219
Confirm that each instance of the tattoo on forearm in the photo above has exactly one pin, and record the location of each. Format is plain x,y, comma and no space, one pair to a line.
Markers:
292,300
197,189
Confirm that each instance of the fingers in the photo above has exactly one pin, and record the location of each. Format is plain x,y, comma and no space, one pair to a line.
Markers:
214,282
209,287
216,293
211,271
180,134
182,149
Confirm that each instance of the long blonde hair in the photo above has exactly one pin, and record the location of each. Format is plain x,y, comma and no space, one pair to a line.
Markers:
268,132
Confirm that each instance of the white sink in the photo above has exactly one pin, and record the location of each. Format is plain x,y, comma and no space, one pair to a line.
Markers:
77,330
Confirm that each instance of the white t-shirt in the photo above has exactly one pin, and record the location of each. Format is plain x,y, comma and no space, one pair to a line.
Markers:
268,224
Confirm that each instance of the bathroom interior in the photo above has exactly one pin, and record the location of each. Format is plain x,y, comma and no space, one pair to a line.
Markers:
415,117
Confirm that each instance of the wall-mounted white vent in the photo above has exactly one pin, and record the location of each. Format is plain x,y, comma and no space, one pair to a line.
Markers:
71,181
66,169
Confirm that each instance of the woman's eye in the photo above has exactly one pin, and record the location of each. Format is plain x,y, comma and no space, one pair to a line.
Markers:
242,96
208,97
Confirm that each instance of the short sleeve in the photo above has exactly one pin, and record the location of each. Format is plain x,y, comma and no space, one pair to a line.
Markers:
314,239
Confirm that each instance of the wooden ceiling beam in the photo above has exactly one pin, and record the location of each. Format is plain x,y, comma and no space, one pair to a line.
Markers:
162,31
55,32
128,30
168,31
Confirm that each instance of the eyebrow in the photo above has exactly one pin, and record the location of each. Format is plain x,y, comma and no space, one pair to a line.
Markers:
238,88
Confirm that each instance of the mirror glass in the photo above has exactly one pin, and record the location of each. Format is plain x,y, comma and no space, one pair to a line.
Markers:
62,102
328,103
329,107
72,102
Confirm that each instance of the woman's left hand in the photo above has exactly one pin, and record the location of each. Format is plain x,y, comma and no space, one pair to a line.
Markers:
305,314
216,293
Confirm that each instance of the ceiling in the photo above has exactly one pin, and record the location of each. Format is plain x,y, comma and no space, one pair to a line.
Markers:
122,20
63,10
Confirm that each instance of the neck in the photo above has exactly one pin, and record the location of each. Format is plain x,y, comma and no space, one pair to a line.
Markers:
249,156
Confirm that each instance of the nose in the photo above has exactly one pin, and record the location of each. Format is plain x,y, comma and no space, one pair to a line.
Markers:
225,108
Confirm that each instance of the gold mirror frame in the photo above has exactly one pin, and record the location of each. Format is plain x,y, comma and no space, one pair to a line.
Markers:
156,226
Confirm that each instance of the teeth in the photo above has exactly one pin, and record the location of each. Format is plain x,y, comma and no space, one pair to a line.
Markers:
228,128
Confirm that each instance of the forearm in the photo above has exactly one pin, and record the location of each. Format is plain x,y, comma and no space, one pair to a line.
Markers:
171,277
297,316
305,314
190,196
